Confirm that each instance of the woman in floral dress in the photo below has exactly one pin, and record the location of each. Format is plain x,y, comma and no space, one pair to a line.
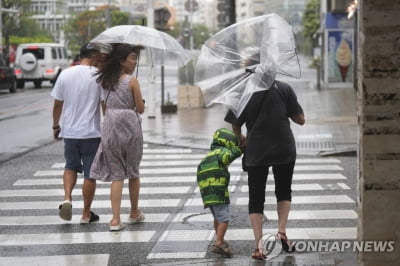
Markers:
121,148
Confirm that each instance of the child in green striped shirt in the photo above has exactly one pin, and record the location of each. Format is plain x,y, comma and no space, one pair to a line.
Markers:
213,180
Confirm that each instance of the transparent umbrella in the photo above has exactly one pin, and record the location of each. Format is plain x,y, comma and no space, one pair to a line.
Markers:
244,58
162,48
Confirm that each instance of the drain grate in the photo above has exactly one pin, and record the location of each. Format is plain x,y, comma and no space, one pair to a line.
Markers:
315,142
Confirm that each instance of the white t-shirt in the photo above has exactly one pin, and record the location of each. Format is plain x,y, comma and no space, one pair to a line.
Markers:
81,94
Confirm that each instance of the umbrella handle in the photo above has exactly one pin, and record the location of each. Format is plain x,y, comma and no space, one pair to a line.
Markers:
137,66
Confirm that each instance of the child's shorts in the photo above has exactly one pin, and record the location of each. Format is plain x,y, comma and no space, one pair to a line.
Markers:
220,212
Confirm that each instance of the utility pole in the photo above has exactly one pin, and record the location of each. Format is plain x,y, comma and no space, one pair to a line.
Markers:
151,74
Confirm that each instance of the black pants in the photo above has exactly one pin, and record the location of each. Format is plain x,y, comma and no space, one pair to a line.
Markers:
257,180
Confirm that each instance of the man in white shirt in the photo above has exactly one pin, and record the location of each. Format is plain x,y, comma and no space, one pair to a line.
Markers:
77,99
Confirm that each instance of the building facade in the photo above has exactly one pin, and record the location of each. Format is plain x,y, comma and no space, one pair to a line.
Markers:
51,15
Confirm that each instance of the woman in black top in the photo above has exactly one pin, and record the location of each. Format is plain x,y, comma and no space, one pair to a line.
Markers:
269,142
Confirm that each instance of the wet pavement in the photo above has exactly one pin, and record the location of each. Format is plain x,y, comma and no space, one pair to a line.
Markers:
331,121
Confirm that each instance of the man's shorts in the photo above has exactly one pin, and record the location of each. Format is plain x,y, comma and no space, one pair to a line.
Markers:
79,154
220,212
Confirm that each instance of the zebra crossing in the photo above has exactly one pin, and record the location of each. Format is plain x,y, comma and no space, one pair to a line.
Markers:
176,225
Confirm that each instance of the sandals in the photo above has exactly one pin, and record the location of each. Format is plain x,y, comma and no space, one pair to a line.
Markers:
116,228
258,254
286,244
222,250
138,219
93,218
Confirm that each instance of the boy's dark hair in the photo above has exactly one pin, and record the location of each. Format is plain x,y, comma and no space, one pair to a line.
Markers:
87,50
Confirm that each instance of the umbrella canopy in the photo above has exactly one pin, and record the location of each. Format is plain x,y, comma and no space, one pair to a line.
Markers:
163,48
244,58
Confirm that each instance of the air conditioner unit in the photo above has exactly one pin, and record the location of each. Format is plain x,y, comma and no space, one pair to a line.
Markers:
339,5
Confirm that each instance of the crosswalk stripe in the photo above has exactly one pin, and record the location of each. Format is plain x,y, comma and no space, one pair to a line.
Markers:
47,205
174,179
75,238
194,163
182,170
315,215
152,157
99,191
191,217
187,235
237,169
161,190
295,187
171,202
166,151
247,234
321,199
272,215
79,181
186,161
313,233
176,255
54,219
302,187
64,260
190,158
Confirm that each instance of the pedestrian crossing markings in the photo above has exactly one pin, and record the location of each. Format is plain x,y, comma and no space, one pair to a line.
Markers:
172,171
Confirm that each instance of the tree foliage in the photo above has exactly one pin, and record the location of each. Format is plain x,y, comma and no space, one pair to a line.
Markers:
10,20
311,19
86,25
29,28
311,24
18,28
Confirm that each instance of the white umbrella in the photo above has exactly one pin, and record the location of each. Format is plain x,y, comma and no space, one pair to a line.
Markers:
263,45
164,49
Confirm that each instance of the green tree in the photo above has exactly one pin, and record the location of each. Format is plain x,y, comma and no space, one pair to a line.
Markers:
29,28
311,23
86,25
119,18
10,21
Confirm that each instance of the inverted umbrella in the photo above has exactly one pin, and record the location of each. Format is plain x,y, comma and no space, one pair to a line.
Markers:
244,58
162,47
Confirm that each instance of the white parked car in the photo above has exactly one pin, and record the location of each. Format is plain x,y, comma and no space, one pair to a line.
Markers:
39,61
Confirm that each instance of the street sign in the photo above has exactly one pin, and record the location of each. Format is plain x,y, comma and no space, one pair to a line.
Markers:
191,5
